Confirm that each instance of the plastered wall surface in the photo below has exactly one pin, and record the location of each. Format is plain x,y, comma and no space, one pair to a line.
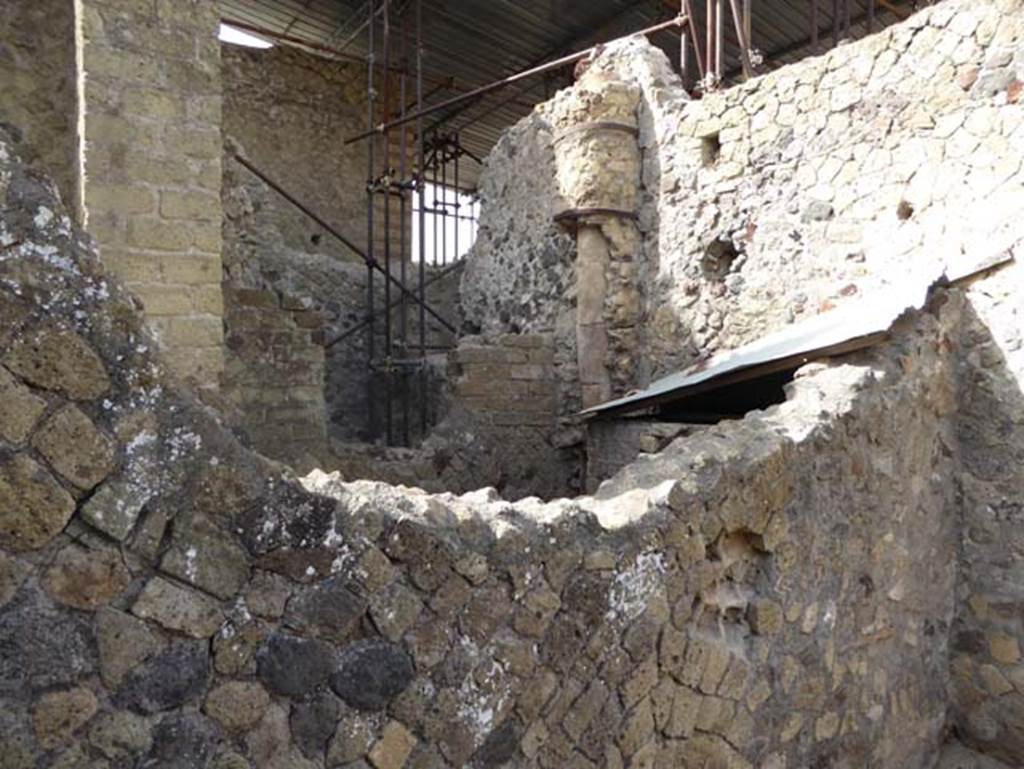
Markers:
288,113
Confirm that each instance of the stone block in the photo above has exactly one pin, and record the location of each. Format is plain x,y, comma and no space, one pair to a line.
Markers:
150,104
313,723
58,715
235,648
125,199
177,675
395,610
294,666
766,617
206,556
237,706
371,673
393,748
132,266
352,740
178,608
124,642
75,448
56,358
190,332
159,299
153,234
1004,648
191,269
86,579
121,736
34,507
181,740
206,236
208,300
327,610
20,409
189,205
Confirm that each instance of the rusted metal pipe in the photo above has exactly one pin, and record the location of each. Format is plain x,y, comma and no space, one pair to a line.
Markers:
564,61
748,71
695,38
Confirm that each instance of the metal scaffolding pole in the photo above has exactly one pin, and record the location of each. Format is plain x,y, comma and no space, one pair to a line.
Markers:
403,313
455,218
386,178
444,204
371,201
422,188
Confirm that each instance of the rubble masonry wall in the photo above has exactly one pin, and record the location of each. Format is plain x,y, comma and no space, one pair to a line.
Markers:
171,597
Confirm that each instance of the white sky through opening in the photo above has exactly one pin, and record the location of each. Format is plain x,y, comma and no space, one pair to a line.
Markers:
235,36
438,249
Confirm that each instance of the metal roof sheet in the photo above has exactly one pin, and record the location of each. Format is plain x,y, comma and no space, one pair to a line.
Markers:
854,325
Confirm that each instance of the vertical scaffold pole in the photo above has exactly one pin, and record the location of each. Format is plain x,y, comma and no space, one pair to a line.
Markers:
385,192
422,188
371,103
403,310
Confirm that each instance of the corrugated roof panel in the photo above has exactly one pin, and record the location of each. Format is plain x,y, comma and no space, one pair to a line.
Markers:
479,41
855,325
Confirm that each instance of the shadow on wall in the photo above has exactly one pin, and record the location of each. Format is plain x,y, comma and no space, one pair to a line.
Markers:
988,634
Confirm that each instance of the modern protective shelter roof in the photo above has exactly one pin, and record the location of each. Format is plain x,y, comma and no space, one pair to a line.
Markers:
468,43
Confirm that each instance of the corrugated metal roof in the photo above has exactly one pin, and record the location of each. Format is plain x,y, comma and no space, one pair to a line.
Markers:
479,41
855,325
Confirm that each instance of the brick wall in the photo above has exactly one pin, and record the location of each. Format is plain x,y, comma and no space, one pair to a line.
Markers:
274,373
508,380
507,407
152,106
37,85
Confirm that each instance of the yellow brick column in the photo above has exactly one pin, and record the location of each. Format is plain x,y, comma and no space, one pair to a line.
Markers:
151,162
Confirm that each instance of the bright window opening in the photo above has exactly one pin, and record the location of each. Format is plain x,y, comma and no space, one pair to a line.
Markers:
235,36
449,224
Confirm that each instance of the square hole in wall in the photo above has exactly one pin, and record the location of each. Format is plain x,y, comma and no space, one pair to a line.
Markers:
710,148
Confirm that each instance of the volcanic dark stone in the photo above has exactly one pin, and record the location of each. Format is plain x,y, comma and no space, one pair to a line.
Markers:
499,747
42,645
327,610
371,673
313,723
182,741
167,680
294,666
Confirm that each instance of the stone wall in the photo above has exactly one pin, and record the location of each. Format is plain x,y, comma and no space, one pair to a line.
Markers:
787,196
987,666
274,374
775,591
256,256
38,87
152,166
818,183
778,198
